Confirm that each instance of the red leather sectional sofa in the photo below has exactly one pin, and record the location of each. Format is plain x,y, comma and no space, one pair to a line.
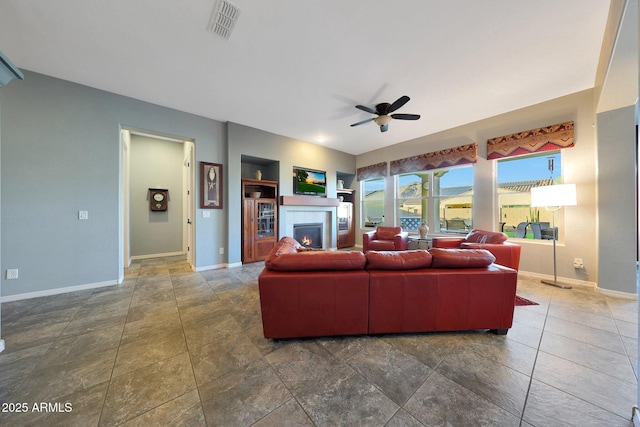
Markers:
326,293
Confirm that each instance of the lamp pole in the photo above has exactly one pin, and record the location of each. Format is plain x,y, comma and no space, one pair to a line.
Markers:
555,274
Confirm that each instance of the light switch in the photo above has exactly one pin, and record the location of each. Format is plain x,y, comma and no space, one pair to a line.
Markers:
206,214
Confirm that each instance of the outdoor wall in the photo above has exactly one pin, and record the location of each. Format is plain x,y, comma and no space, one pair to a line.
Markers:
155,164
60,154
579,167
244,140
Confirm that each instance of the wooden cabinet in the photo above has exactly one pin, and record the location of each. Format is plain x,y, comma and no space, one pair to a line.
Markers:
346,228
259,219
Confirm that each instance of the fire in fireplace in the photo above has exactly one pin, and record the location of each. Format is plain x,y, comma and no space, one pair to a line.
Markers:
308,235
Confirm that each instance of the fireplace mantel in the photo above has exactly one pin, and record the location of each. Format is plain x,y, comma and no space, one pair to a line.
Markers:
308,201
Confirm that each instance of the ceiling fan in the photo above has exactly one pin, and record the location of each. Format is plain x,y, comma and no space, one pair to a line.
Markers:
384,110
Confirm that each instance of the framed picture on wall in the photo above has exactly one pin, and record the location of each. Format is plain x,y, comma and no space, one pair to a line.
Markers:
211,185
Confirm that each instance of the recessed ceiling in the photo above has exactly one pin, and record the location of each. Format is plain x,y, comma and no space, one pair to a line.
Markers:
298,67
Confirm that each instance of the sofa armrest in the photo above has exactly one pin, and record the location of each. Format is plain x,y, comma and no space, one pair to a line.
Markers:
506,253
366,238
447,242
401,241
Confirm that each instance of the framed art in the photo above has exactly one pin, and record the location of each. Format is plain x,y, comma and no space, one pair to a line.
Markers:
211,185
158,198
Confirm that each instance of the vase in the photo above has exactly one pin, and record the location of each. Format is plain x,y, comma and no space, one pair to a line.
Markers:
258,174
423,230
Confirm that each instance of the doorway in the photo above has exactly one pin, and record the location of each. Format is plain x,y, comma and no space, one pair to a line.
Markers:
154,161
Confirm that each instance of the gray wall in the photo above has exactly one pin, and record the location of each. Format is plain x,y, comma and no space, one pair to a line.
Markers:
616,184
60,154
155,164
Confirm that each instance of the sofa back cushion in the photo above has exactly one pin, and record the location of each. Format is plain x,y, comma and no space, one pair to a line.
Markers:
398,260
461,258
285,256
387,233
483,236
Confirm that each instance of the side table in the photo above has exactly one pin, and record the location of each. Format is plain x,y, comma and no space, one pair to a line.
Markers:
415,242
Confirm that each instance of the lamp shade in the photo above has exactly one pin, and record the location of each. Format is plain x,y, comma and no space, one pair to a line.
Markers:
554,195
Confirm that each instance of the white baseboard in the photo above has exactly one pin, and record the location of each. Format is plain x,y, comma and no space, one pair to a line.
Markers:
635,416
211,267
1,346
150,256
57,291
582,283
573,282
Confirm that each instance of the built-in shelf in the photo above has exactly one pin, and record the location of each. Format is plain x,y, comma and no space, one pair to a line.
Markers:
308,201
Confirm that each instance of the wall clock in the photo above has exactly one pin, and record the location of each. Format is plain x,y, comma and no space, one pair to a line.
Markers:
158,199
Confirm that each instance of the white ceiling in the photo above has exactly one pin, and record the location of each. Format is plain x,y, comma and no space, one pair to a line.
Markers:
298,67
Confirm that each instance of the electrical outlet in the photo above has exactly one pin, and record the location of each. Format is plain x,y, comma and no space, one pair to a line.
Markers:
221,251
206,214
83,214
577,263
12,273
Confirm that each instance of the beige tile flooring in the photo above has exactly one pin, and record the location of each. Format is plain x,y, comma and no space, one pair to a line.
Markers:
174,347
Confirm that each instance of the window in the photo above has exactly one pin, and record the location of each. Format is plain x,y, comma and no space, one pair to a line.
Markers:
372,202
516,177
442,198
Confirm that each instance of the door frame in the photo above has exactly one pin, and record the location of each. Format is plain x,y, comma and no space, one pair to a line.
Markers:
124,256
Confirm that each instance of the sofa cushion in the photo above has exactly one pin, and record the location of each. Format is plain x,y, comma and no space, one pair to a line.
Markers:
398,260
387,233
482,236
381,245
461,258
315,261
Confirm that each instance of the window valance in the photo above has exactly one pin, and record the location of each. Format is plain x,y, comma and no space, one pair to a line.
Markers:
372,171
532,141
461,155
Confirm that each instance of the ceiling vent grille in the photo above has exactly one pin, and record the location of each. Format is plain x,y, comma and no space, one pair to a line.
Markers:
223,19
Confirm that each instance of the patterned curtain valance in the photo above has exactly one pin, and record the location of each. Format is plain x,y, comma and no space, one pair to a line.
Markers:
372,171
532,141
450,157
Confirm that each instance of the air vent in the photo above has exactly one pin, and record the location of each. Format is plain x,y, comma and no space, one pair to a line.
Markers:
223,19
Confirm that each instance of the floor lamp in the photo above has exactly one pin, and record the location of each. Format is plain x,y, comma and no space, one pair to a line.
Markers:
553,197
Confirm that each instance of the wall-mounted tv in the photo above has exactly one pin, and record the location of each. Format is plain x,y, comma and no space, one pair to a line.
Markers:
309,182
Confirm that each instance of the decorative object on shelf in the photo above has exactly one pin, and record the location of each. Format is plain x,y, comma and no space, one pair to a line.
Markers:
158,198
256,194
211,185
423,230
553,197
341,198
258,175
340,184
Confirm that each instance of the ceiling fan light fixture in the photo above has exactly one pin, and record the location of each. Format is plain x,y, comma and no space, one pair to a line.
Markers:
382,120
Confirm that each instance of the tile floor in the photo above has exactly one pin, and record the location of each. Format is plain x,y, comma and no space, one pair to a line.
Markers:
173,347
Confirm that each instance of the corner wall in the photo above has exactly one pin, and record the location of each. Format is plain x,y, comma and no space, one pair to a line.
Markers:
579,167
60,154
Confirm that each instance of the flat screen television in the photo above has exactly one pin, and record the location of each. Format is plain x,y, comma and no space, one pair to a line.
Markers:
309,182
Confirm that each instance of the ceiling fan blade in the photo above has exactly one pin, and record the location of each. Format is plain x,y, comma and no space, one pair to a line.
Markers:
384,128
363,122
365,108
399,103
406,116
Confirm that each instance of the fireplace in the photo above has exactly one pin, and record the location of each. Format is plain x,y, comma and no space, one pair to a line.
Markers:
309,235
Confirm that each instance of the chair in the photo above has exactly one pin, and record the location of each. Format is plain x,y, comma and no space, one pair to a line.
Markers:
521,230
455,225
538,227
385,239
